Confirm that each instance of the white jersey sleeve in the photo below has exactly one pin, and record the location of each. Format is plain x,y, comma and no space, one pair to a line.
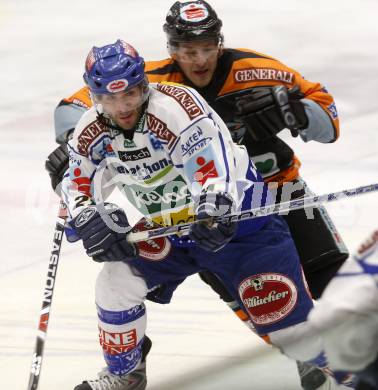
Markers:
203,148
78,187
347,313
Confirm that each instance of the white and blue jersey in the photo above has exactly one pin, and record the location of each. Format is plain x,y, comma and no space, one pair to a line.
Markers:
179,149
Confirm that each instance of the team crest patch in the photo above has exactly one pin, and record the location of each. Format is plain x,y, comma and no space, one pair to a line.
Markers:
154,250
268,297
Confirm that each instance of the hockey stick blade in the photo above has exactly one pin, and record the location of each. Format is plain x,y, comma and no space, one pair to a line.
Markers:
35,369
277,208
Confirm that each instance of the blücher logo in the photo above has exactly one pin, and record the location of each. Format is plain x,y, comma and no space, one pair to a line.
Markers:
268,298
134,155
117,85
85,216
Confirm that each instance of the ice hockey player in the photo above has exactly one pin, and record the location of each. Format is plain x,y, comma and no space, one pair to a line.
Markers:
244,87
140,138
349,307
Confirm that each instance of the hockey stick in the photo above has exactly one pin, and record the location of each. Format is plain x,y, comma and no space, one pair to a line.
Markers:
278,208
47,299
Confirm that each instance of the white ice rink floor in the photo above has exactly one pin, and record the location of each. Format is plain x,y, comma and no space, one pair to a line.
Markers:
197,342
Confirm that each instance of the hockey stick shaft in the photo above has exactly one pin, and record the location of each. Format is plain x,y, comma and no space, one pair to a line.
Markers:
279,208
47,299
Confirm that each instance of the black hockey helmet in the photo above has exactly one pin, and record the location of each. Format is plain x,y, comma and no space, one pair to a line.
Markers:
192,21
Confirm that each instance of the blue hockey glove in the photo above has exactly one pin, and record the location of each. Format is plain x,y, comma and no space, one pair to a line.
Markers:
104,234
213,237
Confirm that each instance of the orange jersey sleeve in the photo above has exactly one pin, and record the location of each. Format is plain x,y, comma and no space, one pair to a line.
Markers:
252,69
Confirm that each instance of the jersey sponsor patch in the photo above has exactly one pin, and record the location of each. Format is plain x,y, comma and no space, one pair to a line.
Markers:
262,74
268,297
88,135
134,155
203,166
194,142
81,183
183,98
154,250
161,131
117,343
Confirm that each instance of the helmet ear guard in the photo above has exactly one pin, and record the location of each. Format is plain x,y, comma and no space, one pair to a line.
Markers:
192,21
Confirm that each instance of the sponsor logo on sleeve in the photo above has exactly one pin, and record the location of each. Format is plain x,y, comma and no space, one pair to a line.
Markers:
262,74
161,131
88,135
194,143
183,98
134,155
206,171
333,111
268,297
203,166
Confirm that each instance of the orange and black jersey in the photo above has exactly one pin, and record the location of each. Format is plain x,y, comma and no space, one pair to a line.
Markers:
238,71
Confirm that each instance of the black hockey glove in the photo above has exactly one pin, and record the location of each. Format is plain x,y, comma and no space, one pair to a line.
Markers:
268,110
104,234
213,237
57,164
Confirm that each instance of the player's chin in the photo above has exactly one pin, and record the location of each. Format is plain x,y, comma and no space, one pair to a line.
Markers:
201,81
128,121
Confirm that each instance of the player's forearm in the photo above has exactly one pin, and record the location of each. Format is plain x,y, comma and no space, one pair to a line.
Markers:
320,127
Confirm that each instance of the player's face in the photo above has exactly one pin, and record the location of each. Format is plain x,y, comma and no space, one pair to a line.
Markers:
124,108
198,60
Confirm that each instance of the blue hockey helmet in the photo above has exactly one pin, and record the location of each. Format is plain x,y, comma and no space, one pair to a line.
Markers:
113,68
193,20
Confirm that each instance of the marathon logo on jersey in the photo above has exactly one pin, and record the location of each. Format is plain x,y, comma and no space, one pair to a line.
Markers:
146,171
154,250
134,155
194,143
268,297
333,111
117,85
89,133
194,13
183,98
160,129
117,343
262,74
